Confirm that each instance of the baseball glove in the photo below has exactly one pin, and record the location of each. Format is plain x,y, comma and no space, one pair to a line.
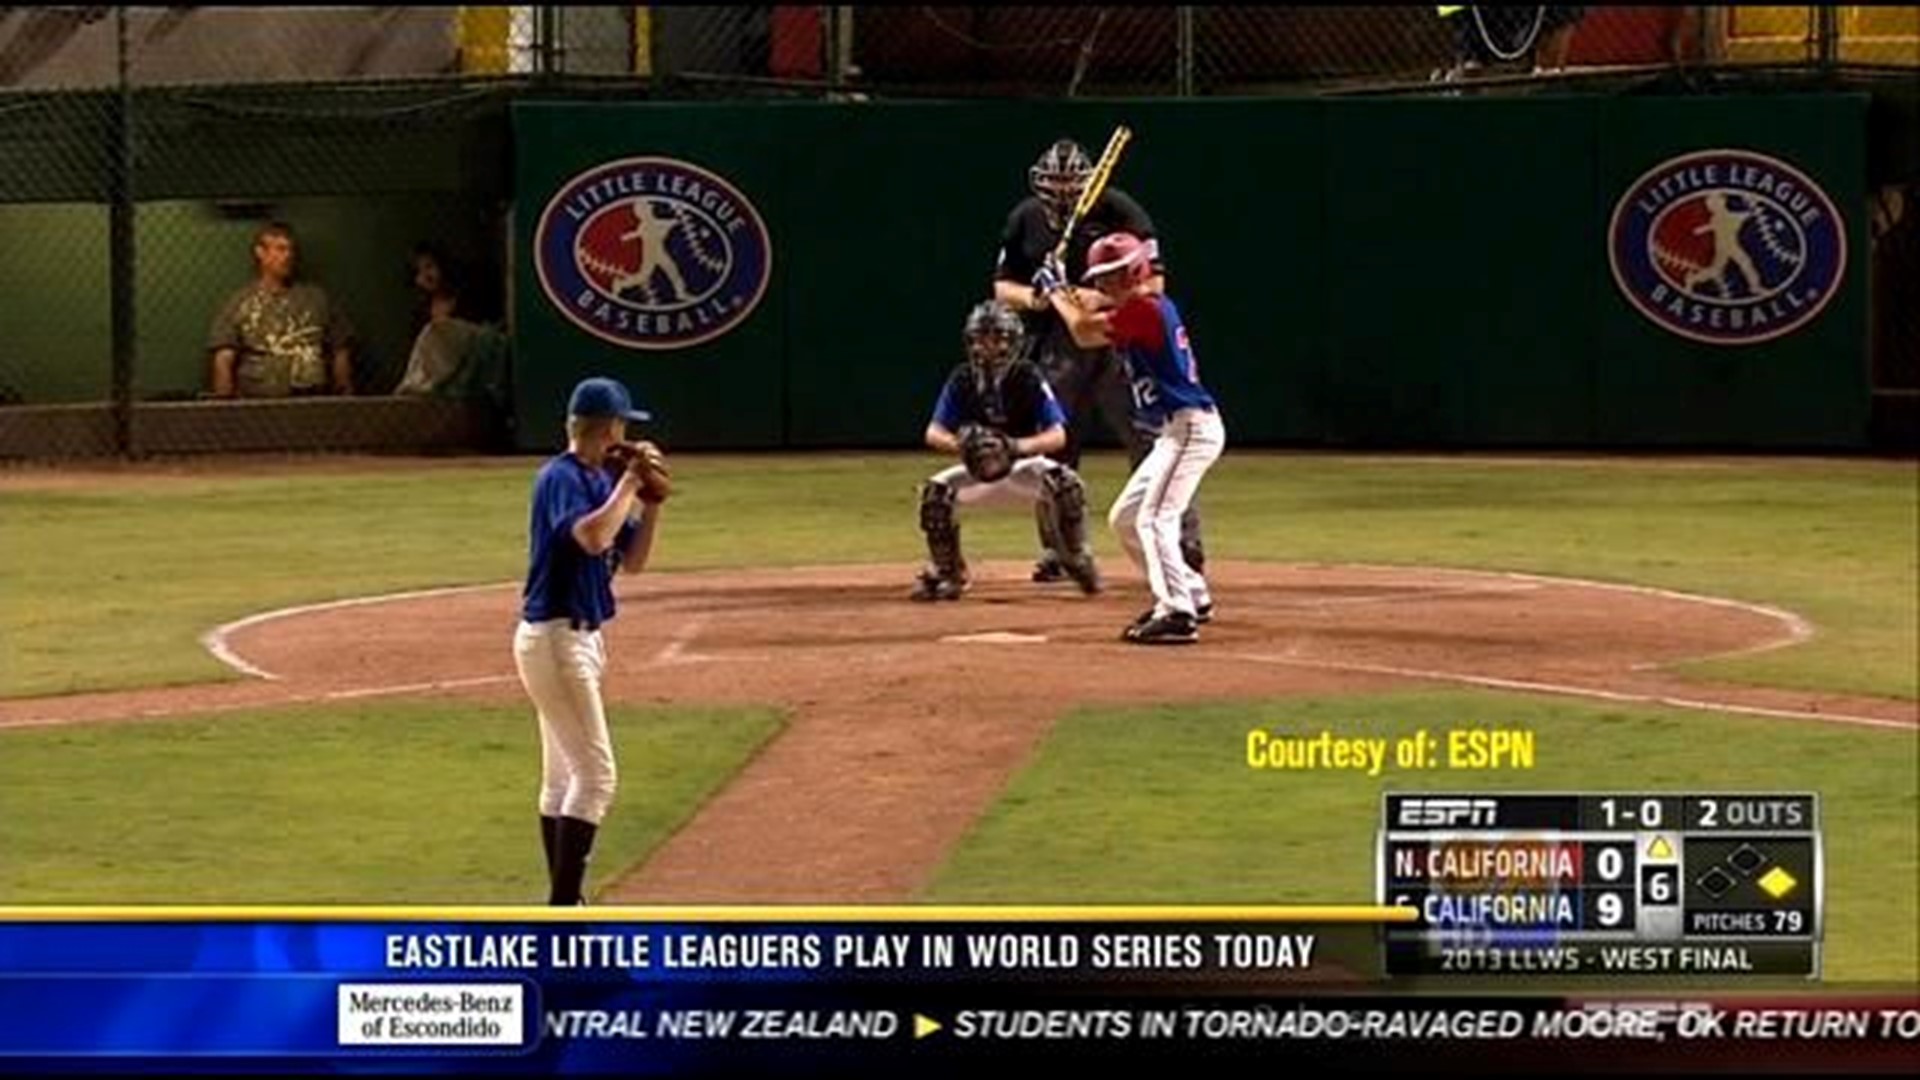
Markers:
645,460
986,452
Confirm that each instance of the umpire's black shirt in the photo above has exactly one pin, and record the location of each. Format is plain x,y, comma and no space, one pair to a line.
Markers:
1029,238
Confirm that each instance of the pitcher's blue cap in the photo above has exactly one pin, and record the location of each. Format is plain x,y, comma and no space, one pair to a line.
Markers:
601,398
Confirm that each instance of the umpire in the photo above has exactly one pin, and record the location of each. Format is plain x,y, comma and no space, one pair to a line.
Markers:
1083,379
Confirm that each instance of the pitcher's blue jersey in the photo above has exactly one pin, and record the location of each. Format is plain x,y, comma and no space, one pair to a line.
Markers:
563,581
1148,332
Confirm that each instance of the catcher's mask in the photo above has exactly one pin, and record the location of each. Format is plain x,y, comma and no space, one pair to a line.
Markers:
1060,174
993,335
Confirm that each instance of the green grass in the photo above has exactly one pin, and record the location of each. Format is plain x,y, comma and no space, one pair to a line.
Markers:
111,586
1159,805
389,802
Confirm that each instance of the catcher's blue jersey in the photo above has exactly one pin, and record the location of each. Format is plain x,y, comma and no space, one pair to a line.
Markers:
1020,403
563,581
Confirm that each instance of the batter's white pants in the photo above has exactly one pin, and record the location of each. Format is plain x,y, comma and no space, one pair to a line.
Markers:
561,669
1025,484
1146,516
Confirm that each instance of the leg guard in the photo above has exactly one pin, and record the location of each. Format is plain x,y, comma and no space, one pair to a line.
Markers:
943,531
1194,555
1048,568
1063,497
1192,549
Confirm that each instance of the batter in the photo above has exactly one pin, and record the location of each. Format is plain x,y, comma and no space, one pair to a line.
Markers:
1168,399
584,525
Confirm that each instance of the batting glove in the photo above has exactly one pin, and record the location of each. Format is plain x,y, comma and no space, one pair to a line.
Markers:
1047,279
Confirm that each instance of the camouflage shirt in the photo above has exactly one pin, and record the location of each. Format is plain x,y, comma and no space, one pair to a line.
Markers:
283,340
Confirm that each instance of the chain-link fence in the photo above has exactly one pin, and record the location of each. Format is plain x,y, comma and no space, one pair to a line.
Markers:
163,161
1192,50
940,49
215,223
63,182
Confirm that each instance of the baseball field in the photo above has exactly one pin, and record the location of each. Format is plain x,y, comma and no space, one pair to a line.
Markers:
280,681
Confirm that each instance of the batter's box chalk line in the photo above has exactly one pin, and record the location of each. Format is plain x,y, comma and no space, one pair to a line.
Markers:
995,637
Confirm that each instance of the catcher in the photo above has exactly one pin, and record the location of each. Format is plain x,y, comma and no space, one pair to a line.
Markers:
997,413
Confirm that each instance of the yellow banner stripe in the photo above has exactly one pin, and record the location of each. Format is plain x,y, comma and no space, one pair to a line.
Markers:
744,913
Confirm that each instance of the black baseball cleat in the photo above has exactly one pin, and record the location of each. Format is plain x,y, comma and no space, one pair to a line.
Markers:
933,587
1048,570
1204,613
1133,627
1177,628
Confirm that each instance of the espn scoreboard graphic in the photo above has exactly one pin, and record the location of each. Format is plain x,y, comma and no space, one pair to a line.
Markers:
1603,884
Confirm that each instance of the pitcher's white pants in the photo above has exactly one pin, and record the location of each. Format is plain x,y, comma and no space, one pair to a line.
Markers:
1146,516
561,669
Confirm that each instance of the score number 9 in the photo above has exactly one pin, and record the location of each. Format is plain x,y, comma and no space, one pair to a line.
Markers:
1610,909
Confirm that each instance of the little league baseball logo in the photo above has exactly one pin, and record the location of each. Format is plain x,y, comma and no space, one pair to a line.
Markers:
1728,247
652,253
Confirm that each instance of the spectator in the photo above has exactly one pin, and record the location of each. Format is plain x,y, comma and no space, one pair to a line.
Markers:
1491,35
440,283
277,337
457,352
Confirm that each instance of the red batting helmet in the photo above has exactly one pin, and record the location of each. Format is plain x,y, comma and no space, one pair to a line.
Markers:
1122,253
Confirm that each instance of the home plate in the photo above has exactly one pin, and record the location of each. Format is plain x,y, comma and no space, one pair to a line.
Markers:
996,637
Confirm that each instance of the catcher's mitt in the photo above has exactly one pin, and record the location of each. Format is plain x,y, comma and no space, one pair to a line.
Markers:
987,453
647,462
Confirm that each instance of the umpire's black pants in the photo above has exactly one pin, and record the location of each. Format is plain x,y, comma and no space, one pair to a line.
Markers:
1086,379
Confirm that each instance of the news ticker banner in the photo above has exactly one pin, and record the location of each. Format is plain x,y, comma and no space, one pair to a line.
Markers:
1611,884
850,991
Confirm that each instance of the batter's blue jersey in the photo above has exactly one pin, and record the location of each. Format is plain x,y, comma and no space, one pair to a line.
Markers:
563,581
1160,366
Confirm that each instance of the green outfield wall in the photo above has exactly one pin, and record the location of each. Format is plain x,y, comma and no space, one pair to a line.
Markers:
1354,272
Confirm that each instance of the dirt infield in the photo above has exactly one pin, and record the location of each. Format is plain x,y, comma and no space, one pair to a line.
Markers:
905,720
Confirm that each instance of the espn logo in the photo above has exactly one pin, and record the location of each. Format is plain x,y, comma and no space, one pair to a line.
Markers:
1445,813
